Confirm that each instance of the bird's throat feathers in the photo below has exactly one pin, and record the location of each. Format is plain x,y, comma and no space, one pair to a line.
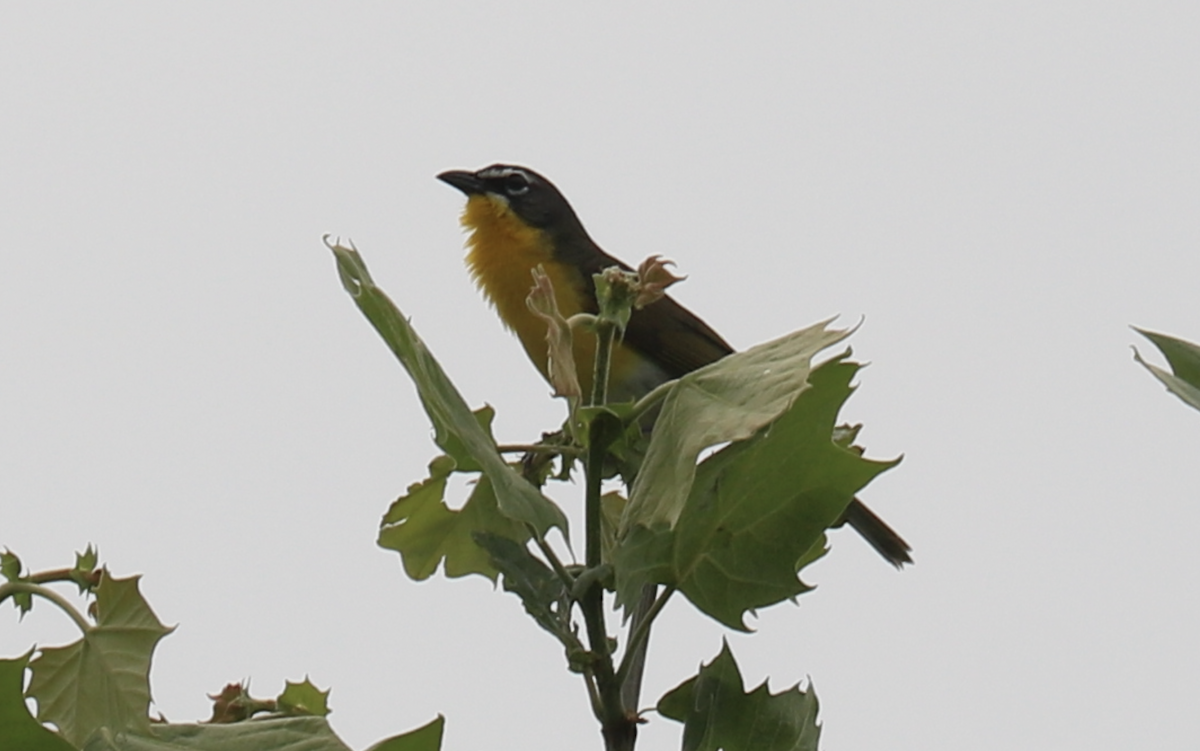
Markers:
502,252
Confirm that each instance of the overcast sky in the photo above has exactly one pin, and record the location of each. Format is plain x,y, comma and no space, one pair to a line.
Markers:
1000,189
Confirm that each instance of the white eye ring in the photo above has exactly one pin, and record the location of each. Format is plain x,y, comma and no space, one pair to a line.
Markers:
516,183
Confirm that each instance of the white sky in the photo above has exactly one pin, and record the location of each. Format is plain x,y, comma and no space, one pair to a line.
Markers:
1000,189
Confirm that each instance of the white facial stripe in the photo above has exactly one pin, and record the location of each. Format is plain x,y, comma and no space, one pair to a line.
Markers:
501,172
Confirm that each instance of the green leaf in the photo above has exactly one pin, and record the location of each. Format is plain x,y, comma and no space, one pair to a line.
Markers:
102,680
283,734
10,569
425,738
425,531
846,435
757,512
85,565
10,565
612,505
1184,358
544,595
644,556
18,730
729,400
454,447
717,713
624,439
603,424
457,429
304,698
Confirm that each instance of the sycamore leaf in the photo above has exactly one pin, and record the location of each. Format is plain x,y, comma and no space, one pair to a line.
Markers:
818,549
644,556
1184,358
612,504
541,591
18,730
102,680
85,567
717,713
603,425
10,569
757,512
729,400
425,531
425,738
453,421
276,734
10,565
454,447
300,699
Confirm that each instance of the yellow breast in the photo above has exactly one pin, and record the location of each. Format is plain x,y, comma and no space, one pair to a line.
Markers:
502,252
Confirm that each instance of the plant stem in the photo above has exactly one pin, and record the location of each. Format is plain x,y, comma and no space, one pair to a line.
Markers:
618,727
606,332
62,575
647,402
536,448
592,602
560,570
640,632
12,588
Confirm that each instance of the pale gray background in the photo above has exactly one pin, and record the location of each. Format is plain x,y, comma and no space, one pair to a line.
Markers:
999,188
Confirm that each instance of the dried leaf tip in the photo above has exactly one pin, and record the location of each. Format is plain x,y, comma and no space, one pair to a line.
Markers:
654,278
560,352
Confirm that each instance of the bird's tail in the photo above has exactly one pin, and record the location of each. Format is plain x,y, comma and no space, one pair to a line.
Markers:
876,531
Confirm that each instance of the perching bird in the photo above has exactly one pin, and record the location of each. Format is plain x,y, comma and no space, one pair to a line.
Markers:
518,220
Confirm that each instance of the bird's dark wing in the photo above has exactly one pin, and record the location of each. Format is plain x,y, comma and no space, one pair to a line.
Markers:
674,337
665,332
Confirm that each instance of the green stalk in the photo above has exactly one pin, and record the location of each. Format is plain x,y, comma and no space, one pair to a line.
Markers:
561,571
619,730
605,335
647,402
12,588
640,633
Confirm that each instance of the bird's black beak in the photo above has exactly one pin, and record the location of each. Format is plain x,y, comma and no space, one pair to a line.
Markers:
467,182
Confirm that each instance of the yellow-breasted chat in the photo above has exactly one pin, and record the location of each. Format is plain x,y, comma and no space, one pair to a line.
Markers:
518,220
